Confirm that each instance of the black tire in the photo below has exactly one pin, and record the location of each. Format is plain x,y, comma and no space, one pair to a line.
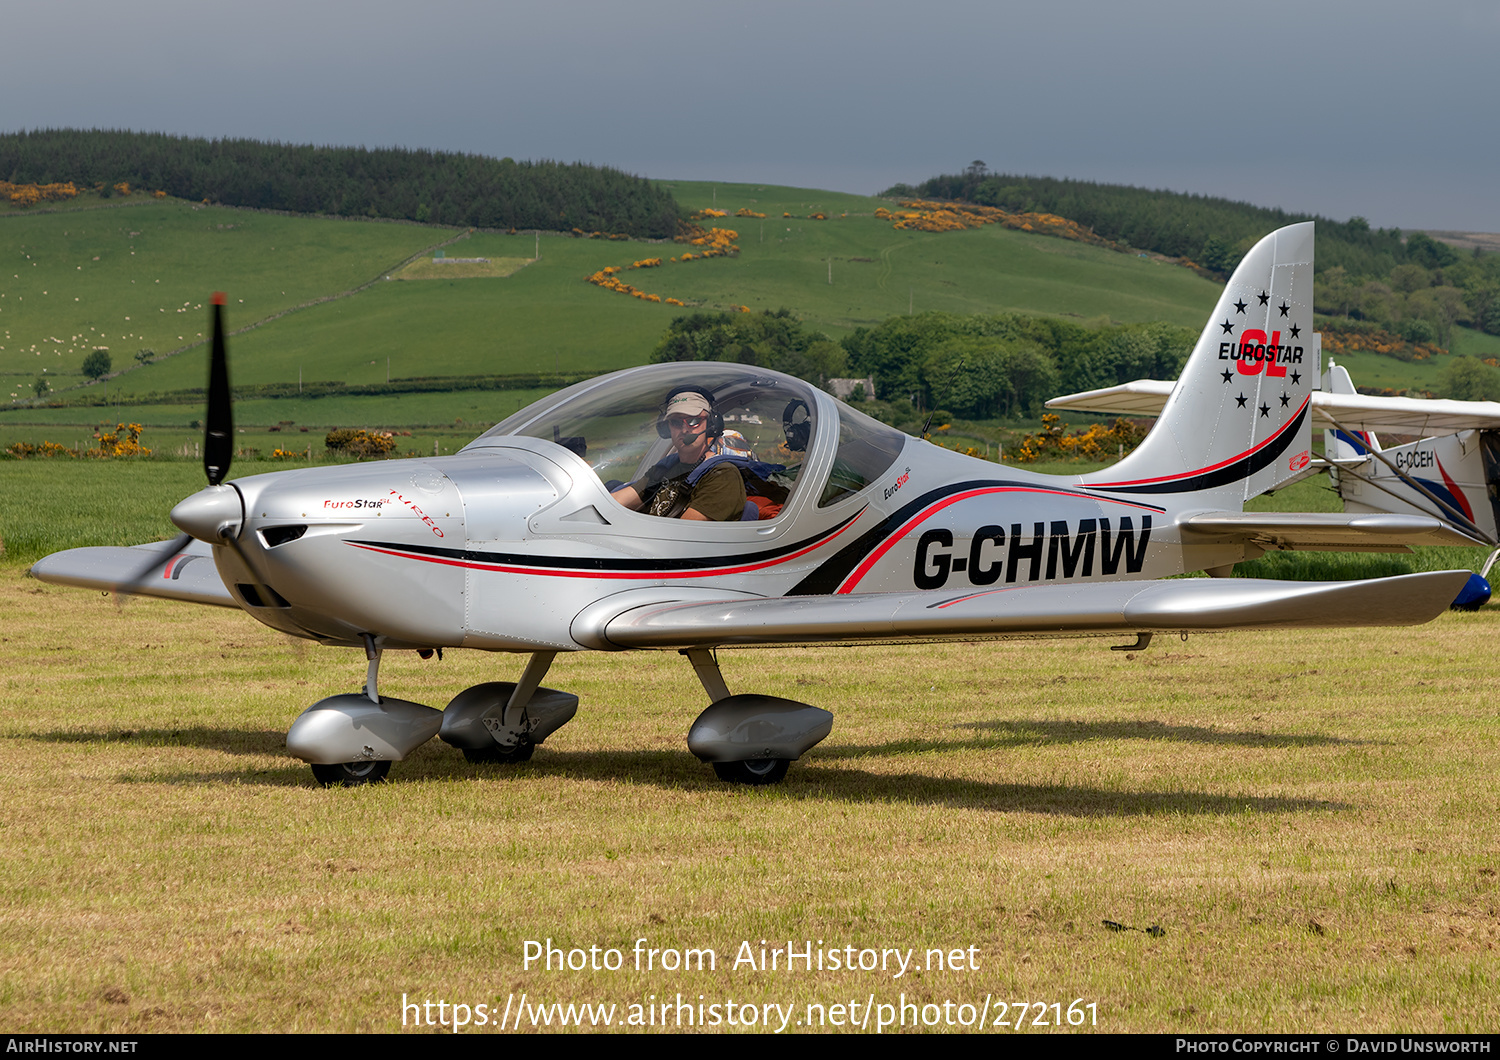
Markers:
522,752
758,771
351,774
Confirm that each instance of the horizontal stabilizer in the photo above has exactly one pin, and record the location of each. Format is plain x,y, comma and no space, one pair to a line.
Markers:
1423,417
1324,531
1093,608
1140,397
189,575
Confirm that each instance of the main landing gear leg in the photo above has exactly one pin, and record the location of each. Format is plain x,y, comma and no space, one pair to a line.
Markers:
707,669
512,730
372,672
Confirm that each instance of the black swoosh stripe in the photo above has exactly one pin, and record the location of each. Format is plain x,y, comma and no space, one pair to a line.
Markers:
1240,469
832,572
597,563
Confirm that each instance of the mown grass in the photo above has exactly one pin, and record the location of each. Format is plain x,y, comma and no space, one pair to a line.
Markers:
426,268
1309,817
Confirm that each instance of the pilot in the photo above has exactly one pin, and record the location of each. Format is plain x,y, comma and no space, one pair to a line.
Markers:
671,488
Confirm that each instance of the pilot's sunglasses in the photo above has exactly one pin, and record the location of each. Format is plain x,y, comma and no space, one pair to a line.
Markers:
683,423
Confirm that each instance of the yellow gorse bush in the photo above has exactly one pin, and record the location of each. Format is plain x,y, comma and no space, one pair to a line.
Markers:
27,449
1336,340
129,445
1098,442
711,243
31,194
925,216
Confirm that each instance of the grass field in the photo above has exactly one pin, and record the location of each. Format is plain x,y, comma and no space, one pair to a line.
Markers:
1309,818
460,269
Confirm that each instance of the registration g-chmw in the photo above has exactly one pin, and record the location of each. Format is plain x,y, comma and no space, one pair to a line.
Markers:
1017,1015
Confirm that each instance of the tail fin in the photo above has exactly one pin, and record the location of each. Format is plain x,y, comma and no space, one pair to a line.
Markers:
1342,445
1238,422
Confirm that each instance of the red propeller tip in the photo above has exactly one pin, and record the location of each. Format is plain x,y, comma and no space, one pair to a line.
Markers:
220,297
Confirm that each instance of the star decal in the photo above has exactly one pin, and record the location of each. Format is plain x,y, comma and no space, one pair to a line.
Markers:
1265,410
1239,307
1283,307
1227,326
1264,297
1226,375
1285,399
1240,400
1296,378
1296,331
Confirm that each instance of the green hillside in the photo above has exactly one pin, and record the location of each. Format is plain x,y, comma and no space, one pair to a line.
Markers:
138,276
159,257
880,272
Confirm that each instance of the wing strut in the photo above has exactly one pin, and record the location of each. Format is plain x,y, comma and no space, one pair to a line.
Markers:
1454,519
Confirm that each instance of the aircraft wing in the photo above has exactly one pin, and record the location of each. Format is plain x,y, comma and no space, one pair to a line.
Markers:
1359,412
1087,609
1324,531
1420,416
1143,397
190,575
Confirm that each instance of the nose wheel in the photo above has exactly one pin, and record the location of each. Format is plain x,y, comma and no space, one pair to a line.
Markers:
351,774
759,772
495,754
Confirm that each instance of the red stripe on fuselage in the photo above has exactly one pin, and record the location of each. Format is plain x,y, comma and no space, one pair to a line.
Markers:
643,575
1213,467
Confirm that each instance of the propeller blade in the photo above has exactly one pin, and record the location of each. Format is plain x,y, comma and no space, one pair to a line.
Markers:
131,585
218,423
262,590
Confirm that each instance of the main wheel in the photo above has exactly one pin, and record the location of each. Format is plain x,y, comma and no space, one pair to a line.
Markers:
494,753
351,773
757,771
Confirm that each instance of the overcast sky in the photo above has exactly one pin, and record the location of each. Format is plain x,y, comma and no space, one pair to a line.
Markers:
1336,107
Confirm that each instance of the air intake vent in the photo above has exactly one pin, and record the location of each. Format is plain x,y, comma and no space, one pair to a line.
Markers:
251,595
280,535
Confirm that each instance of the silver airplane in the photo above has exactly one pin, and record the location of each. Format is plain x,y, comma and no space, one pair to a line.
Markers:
517,543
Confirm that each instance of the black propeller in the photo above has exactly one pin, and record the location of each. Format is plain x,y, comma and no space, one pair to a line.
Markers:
218,447
218,424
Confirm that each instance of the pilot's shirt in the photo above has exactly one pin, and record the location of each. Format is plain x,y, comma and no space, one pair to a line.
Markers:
718,496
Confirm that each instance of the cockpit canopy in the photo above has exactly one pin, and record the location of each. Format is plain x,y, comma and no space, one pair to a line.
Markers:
611,424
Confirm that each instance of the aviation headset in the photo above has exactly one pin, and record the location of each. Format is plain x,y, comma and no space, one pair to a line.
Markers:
714,422
798,432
